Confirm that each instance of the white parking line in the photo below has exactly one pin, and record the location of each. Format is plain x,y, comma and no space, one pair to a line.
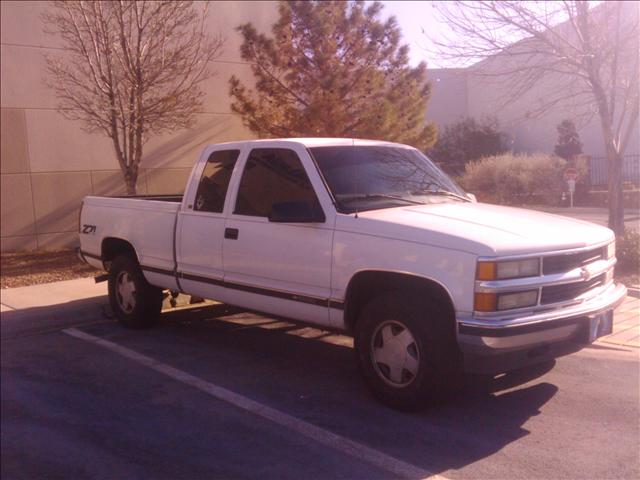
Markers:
320,435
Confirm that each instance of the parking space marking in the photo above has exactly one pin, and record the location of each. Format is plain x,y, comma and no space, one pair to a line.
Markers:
320,435
44,331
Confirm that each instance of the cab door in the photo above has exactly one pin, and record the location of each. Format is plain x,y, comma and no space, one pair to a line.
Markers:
275,266
200,228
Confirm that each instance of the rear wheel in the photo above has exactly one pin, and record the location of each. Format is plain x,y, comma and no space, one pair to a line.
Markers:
134,301
406,350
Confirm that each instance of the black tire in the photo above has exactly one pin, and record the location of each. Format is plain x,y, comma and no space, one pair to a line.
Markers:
140,306
429,358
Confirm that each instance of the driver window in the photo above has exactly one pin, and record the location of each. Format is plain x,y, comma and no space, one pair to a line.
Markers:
273,175
214,182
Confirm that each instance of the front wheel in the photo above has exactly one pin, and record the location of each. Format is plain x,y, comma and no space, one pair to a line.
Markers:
134,301
406,350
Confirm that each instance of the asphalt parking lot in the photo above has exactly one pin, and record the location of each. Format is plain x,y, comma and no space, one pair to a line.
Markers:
217,393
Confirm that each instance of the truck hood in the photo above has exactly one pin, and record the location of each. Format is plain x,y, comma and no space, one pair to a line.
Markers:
479,228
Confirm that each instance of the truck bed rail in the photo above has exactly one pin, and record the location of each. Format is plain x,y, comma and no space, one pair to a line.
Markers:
158,198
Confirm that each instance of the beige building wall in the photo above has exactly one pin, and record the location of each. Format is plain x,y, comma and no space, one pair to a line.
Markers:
459,93
449,101
530,132
464,92
48,164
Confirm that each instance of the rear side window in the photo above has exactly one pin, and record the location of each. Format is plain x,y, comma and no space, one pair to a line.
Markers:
273,175
214,182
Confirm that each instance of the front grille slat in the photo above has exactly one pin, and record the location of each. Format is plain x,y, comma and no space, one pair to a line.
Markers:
566,262
569,291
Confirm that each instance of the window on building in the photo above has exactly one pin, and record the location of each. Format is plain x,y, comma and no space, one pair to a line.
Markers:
273,175
214,182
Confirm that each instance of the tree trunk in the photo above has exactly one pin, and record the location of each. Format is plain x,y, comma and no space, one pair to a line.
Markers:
616,203
130,180
130,174
614,160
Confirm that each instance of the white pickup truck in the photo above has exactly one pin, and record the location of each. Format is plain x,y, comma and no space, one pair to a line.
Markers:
369,238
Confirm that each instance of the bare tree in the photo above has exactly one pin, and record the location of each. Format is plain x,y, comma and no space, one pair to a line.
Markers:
590,55
130,68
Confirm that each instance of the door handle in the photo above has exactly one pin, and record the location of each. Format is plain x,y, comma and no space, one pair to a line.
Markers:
231,233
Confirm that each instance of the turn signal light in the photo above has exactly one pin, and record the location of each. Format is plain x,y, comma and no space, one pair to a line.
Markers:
486,271
507,269
485,302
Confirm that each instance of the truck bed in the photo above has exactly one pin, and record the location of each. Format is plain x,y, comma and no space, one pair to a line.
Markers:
146,221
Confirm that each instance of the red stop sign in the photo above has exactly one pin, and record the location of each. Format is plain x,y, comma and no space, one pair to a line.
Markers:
570,174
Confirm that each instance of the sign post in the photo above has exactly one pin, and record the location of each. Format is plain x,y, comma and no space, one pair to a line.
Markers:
570,176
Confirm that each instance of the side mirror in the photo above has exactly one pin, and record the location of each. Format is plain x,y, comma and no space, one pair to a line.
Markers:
296,212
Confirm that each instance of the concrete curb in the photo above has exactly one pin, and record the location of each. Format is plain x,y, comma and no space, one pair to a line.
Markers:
633,292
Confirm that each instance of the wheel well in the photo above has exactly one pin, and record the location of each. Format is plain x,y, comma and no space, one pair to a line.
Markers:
112,247
365,286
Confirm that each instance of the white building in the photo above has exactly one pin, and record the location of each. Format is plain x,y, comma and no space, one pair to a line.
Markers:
458,93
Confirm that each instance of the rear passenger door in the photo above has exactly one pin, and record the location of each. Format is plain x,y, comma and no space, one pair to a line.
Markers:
279,268
200,228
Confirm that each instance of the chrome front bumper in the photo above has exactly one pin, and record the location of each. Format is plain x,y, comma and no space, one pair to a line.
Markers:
525,339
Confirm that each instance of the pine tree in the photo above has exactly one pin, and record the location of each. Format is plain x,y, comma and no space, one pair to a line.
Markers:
333,69
569,143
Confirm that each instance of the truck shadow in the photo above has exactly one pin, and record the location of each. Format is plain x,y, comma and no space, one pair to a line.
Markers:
311,374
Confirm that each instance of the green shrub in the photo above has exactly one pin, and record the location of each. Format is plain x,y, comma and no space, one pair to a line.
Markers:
516,179
628,251
569,144
466,140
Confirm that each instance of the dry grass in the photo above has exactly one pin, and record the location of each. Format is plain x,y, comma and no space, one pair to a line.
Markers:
31,268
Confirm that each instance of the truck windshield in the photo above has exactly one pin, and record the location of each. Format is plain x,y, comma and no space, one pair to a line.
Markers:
373,177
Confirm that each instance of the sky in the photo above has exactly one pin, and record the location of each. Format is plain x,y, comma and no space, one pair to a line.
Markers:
417,17
413,17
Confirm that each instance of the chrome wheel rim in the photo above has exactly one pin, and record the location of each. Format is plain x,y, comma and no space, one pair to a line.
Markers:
125,292
395,354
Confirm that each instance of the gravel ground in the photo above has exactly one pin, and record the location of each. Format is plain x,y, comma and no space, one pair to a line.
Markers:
31,268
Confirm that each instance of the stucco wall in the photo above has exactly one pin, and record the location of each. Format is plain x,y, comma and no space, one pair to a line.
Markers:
458,93
492,93
449,101
538,133
48,164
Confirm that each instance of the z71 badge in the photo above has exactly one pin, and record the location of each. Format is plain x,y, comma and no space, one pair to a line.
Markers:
88,229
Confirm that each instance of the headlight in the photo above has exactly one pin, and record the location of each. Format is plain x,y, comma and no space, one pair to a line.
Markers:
508,269
507,301
610,250
491,302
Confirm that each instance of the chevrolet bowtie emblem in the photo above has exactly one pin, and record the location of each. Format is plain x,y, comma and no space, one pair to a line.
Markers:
585,274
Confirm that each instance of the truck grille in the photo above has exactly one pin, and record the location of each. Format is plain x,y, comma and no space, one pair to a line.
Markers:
568,291
566,262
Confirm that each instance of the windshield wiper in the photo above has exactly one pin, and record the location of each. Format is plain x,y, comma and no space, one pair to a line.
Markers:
368,196
442,192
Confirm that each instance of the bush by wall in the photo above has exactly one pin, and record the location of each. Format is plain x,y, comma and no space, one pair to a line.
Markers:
516,179
466,140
